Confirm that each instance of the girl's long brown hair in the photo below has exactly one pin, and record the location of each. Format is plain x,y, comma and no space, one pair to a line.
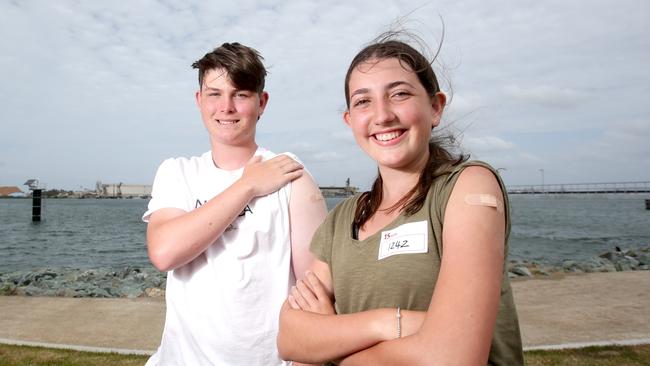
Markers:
368,204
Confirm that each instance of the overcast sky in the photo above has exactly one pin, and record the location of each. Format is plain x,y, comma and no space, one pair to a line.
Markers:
98,90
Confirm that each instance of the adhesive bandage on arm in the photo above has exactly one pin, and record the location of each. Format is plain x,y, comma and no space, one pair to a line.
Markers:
482,199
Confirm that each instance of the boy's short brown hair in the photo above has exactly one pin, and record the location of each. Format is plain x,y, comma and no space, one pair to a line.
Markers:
243,65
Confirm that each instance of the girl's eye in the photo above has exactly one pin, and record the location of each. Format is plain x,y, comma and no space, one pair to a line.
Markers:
242,95
360,102
401,94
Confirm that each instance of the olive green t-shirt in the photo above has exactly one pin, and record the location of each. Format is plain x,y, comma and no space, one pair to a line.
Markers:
362,281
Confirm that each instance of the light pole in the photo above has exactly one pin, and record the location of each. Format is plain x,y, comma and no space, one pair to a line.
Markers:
542,171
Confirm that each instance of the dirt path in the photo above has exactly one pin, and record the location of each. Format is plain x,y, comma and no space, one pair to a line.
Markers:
589,308
584,308
111,323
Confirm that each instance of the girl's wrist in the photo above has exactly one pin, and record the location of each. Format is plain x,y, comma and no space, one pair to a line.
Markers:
384,324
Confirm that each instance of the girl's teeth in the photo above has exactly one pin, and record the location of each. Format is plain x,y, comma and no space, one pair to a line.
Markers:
387,136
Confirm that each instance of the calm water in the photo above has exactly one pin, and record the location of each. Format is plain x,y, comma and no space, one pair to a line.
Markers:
109,233
553,228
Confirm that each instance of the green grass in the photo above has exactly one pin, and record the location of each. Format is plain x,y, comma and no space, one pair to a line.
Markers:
40,356
597,356
590,356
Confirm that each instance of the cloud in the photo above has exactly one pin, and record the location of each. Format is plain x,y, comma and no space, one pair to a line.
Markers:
463,105
627,140
344,136
547,96
302,146
106,91
627,131
326,156
487,144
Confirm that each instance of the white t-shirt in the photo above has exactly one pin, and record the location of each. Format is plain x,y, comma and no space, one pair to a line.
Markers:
223,307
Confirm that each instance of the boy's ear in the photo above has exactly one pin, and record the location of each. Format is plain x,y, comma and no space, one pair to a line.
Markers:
346,118
264,100
197,95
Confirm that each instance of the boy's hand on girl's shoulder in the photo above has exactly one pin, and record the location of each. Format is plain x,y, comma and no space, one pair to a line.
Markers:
264,177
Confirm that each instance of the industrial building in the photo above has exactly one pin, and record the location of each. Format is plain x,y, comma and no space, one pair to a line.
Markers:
121,190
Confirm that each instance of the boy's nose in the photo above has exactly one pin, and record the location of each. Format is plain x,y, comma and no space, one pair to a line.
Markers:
227,105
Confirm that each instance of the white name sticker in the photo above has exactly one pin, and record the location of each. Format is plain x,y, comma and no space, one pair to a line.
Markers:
405,239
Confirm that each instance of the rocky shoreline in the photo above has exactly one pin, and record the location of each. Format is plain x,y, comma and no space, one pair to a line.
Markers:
613,261
133,282
129,282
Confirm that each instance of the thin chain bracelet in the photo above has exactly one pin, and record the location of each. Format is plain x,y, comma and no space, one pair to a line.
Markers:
399,323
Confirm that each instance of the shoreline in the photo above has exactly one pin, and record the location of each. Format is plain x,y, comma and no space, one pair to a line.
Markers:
138,282
618,260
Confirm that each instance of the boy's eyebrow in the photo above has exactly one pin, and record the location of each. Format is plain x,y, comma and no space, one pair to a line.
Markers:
359,91
235,90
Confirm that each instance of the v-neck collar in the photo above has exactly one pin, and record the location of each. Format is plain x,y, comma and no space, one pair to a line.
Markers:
392,224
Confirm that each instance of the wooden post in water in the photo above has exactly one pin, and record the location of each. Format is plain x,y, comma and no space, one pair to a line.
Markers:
37,198
36,205
647,204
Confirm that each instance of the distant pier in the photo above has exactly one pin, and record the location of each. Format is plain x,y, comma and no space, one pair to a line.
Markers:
581,188
344,191
121,190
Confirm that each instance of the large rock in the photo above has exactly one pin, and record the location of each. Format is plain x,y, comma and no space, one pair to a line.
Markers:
612,256
521,271
632,262
154,292
8,289
644,258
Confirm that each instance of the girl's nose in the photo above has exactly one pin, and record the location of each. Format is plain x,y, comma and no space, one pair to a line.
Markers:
383,112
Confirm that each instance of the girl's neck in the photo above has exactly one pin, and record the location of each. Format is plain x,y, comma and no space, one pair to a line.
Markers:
396,183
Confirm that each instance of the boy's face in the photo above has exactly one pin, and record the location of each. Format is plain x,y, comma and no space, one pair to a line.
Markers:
229,114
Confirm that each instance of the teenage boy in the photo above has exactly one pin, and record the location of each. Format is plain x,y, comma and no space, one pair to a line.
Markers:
232,226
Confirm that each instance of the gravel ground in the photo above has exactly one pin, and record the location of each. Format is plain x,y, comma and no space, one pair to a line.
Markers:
560,309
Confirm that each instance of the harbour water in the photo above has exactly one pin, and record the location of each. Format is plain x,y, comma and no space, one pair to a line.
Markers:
90,233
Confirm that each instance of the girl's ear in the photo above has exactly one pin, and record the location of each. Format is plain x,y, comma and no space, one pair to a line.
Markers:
438,102
346,118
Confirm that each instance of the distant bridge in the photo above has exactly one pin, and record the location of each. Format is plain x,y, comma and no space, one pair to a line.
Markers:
581,188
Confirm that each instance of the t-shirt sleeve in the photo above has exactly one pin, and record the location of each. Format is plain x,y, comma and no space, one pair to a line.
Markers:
169,189
321,242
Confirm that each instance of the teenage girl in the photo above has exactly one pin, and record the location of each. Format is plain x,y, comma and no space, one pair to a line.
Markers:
413,271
